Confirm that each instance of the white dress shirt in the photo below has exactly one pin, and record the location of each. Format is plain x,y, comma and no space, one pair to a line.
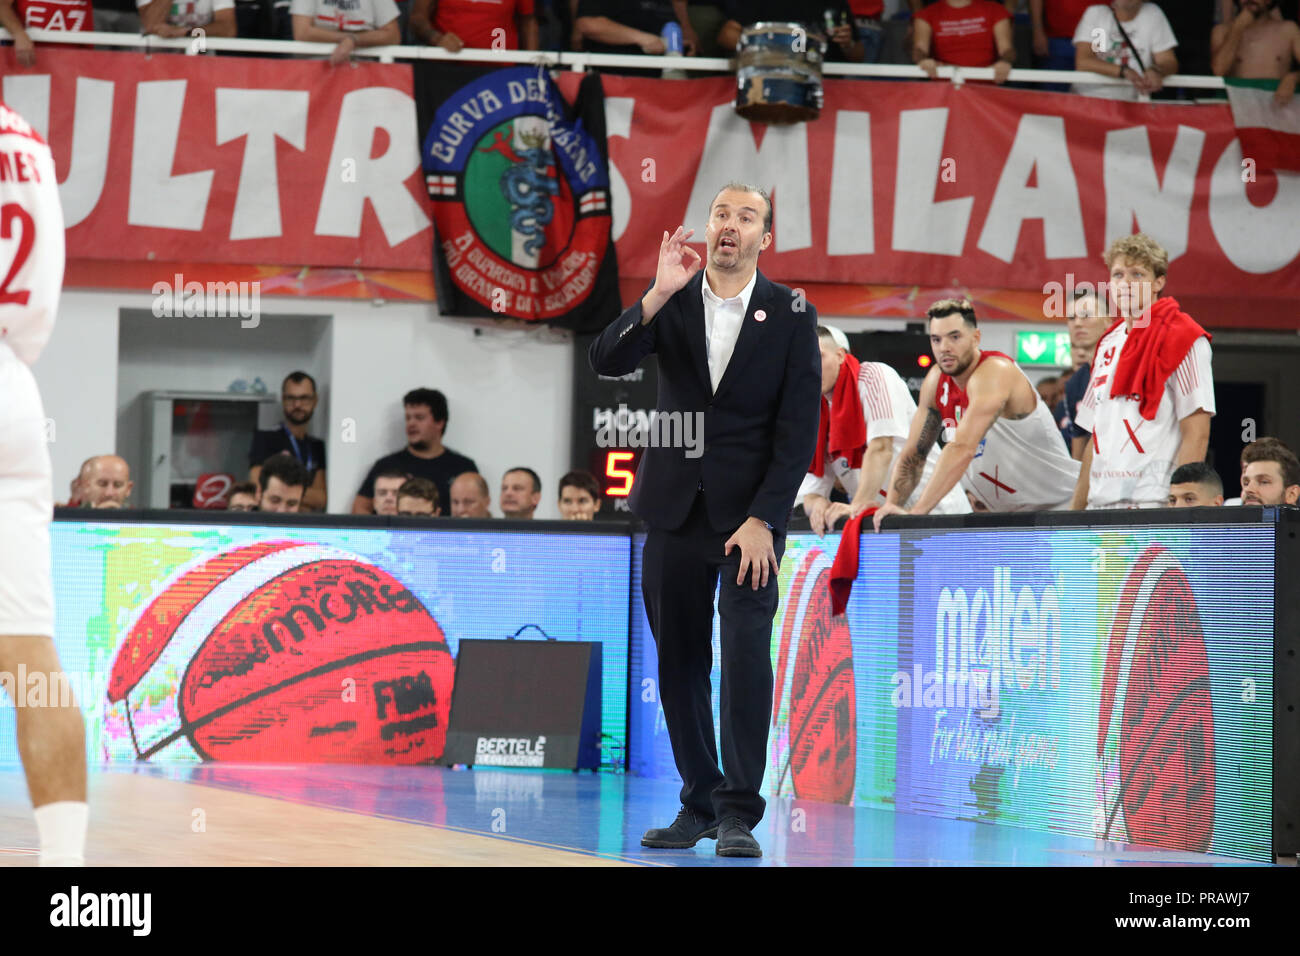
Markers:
722,321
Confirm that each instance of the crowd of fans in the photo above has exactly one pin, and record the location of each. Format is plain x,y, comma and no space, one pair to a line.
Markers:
1140,41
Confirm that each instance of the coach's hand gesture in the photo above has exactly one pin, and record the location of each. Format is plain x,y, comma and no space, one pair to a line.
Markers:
678,264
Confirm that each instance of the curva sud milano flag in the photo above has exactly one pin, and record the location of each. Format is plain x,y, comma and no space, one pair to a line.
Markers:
519,185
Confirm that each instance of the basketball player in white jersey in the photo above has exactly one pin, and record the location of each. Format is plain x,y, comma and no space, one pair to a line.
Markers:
886,410
1002,442
51,738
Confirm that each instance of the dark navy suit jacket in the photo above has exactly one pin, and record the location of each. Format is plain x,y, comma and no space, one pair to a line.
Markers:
759,429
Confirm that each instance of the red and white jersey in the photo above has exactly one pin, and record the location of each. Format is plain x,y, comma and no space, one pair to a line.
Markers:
71,15
1132,458
31,238
1020,465
888,408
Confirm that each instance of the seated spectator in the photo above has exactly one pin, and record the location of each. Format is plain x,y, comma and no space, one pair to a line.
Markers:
387,483
521,490
346,23
418,498
298,402
1272,474
243,497
172,18
1195,485
842,42
455,24
1258,45
283,482
579,496
1136,44
1257,447
19,16
964,33
1054,23
470,497
631,26
424,456
105,482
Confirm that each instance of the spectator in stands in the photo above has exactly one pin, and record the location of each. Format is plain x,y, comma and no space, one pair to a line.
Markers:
631,26
1128,40
387,484
579,496
869,23
1151,396
243,497
105,482
1271,476
1259,45
1087,323
424,456
1195,485
347,23
298,400
841,40
418,498
964,33
521,490
470,497
1261,446
283,482
1054,23
174,18
18,17
483,24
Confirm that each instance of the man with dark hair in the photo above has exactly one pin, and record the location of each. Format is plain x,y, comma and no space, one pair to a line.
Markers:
740,352
1195,485
387,484
243,497
470,496
1087,323
418,498
424,456
521,490
283,481
1002,442
298,399
579,496
1271,475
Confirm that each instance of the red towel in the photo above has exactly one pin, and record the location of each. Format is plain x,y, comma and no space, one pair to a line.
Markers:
844,570
1152,353
843,428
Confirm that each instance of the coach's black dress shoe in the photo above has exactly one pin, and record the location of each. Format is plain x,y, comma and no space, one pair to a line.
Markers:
734,839
687,830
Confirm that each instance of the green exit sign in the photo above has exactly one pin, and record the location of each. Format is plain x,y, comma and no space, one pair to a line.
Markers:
1043,348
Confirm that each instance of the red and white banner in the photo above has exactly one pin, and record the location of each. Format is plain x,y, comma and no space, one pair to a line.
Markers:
221,159
932,185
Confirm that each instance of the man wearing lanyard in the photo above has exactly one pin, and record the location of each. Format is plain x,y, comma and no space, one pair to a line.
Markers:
298,397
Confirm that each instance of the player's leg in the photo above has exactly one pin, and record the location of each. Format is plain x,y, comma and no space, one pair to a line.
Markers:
51,734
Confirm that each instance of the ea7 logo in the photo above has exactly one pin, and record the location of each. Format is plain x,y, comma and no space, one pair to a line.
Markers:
102,909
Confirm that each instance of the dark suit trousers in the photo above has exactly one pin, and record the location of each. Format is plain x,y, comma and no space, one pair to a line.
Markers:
681,570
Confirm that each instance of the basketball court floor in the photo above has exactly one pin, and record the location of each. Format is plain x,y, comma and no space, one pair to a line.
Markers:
347,815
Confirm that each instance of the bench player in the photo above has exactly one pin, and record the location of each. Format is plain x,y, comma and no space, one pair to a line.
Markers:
51,736
1003,444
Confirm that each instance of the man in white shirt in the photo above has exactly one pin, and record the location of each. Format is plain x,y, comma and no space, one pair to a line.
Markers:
1128,40
1151,397
347,23
886,408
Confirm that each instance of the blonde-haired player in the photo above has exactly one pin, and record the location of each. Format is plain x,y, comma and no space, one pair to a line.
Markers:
1151,395
51,735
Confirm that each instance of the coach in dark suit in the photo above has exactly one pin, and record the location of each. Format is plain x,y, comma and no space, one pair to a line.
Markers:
738,354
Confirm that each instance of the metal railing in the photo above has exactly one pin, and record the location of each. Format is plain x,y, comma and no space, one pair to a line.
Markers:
199,43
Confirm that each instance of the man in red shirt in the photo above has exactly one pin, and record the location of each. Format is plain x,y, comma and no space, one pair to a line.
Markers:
481,24
17,15
964,33
1054,23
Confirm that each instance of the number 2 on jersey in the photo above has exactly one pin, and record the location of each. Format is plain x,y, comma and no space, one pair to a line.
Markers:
10,212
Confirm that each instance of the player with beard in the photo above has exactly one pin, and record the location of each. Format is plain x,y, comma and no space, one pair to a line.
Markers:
298,400
1002,442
